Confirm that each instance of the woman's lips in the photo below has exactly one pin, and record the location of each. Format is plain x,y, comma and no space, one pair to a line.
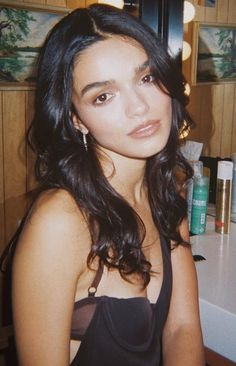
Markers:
145,129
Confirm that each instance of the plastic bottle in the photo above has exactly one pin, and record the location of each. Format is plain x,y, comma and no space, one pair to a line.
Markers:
223,196
197,172
233,206
199,205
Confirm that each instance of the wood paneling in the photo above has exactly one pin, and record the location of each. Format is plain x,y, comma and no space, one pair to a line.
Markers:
30,158
222,11
56,3
217,114
37,2
227,120
72,4
13,105
233,142
2,219
232,12
213,105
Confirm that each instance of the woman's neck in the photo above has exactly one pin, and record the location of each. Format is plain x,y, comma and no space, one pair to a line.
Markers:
126,175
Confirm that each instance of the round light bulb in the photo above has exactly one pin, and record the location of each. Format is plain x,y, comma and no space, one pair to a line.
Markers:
186,51
184,131
116,3
187,89
189,12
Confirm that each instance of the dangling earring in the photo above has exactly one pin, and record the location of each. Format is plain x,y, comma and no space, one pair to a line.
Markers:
85,141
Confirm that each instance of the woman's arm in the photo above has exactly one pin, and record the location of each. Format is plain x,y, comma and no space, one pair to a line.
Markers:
182,337
48,261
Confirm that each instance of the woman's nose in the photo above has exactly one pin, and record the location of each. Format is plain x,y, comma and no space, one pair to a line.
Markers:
136,104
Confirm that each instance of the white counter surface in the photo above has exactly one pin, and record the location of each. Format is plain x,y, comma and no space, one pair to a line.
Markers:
217,288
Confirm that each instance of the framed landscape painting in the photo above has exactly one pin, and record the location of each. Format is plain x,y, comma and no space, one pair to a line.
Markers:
214,53
23,31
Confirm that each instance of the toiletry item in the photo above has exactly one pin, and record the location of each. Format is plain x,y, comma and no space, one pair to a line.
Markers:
197,172
199,204
223,196
233,206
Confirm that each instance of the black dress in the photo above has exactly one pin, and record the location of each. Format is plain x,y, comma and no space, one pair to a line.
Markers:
122,332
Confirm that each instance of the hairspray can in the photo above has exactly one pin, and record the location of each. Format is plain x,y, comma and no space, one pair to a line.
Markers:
223,196
199,205
197,166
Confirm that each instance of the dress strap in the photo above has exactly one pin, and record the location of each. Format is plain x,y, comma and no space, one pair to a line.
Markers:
94,285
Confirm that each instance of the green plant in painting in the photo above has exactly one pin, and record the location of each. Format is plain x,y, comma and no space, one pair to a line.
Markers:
14,27
227,44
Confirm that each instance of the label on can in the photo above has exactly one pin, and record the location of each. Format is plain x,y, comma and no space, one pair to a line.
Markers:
199,207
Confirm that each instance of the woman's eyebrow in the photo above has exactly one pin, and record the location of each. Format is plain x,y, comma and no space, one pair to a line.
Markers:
96,84
99,84
142,67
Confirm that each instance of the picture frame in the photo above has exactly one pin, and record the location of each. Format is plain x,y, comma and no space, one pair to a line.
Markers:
214,53
210,3
23,31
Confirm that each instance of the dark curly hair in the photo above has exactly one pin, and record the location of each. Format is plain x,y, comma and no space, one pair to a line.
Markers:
117,232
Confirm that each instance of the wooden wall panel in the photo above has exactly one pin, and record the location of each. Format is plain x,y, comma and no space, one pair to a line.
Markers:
200,10
2,228
195,109
36,2
232,11
233,142
222,11
56,2
206,120
210,14
72,4
30,157
2,205
14,158
217,111
227,120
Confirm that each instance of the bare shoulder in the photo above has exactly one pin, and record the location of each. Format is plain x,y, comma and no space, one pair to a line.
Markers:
49,260
57,204
55,227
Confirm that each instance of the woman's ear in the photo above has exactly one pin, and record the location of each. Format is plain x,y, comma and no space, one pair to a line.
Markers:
78,124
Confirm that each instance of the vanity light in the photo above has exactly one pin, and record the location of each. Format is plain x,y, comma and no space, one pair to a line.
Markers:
183,133
189,12
186,51
117,3
187,89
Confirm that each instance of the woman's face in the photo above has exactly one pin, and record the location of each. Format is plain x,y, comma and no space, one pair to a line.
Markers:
117,100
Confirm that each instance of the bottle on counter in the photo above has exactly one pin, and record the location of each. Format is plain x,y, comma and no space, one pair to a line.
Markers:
223,196
199,204
197,166
233,206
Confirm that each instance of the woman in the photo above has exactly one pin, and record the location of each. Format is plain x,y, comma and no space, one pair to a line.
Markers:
95,281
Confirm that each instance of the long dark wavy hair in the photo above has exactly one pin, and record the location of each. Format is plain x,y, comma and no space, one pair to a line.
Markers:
117,232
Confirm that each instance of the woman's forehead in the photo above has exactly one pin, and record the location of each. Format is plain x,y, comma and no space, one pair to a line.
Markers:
110,59
108,45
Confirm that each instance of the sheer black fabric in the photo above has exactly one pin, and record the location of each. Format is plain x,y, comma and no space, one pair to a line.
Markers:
123,332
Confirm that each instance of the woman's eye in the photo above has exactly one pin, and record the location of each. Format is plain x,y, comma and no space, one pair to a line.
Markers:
103,98
149,78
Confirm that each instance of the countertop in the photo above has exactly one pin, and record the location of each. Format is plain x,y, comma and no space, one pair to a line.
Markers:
217,288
